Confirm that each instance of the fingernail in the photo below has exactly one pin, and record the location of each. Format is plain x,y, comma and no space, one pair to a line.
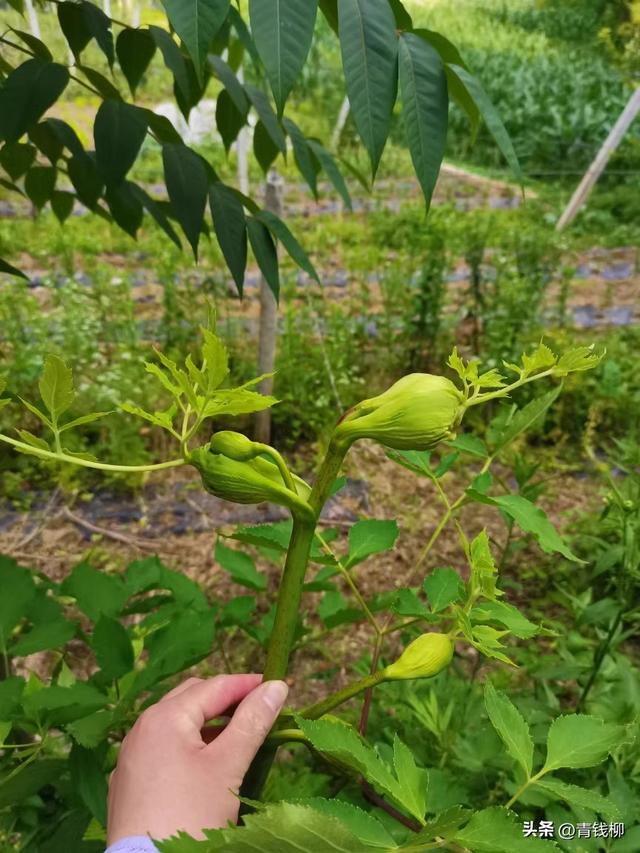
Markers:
274,694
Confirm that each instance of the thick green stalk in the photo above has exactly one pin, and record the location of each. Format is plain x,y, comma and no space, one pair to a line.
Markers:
289,596
288,604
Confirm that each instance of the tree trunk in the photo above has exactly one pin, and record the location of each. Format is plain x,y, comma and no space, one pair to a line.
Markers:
268,317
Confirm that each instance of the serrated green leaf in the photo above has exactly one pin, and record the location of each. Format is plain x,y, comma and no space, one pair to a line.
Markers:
504,614
237,401
540,359
369,47
425,108
82,420
112,646
215,360
279,828
241,567
524,418
33,440
498,830
282,31
510,726
534,520
581,358
413,779
368,537
443,587
484,572
580,797
363,825
580,740
343,744
56,386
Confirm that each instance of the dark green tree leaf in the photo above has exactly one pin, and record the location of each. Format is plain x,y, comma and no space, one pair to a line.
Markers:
99,27
173,59
27,93
7,269
230,226
16,157
425,108
135,50
370,60
490,116
282,31
197,23
265,253
264,148
187,184
44,137
306,160
39,184
118,131
37,47
231,83
125,207
229,120
331,168
85,179
157,211
267,116
74,26
62,205
294,249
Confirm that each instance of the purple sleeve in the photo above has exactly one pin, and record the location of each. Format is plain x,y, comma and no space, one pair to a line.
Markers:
139,844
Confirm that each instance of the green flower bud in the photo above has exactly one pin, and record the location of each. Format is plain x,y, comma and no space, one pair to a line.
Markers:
416,413
235,445
428,655
248,482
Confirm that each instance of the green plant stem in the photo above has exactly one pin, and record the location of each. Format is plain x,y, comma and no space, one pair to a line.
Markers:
350,582
89,463
327,474
289,596
374,674
526,785
599,660
313,712
288,603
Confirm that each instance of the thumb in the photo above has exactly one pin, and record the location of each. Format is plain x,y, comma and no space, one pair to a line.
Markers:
250,725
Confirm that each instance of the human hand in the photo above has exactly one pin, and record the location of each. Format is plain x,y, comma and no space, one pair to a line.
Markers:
169,779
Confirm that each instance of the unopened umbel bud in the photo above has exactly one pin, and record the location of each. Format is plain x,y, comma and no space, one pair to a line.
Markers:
416,413
248,482
428,655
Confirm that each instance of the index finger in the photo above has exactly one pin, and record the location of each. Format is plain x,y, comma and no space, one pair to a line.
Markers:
208,699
